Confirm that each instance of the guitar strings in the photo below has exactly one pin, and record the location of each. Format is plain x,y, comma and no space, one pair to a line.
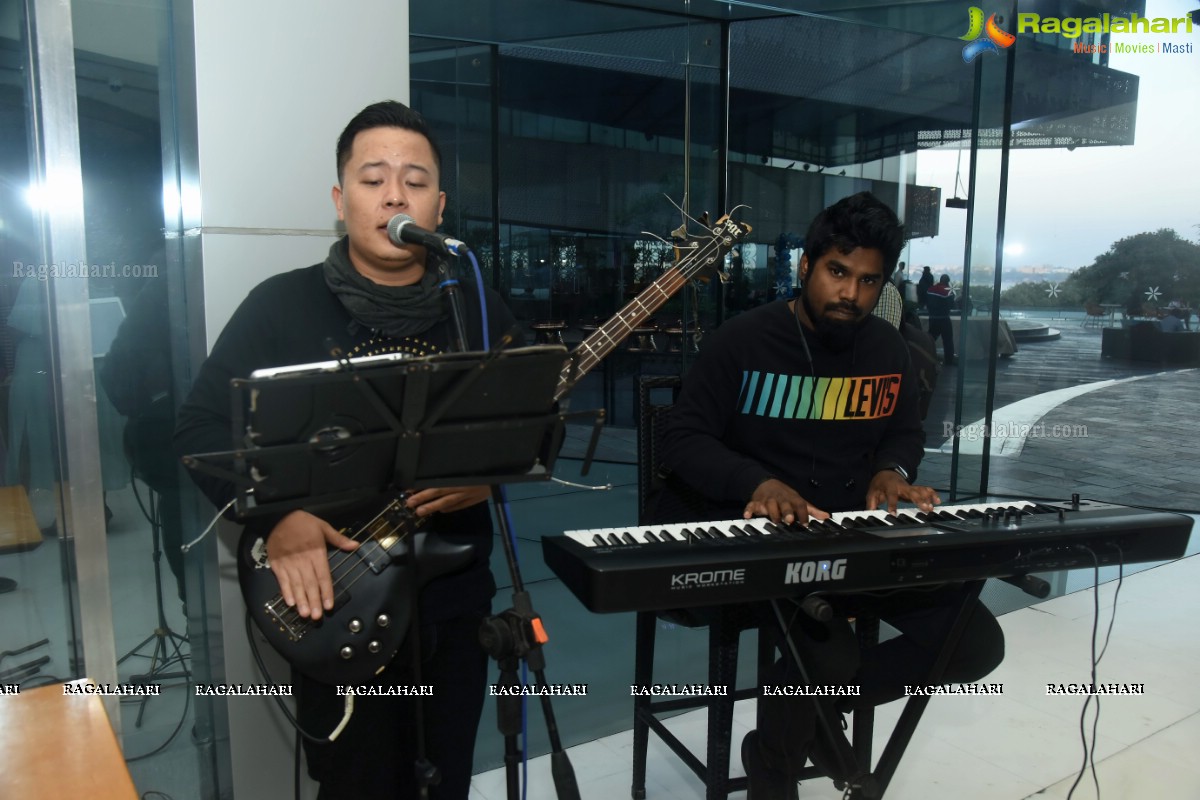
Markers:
344,580
674,283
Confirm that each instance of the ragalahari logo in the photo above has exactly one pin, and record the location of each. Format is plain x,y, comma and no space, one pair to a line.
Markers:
984,38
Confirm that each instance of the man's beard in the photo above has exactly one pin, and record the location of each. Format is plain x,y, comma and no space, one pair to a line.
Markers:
837,335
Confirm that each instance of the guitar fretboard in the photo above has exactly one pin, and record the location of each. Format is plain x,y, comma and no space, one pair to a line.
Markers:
604,339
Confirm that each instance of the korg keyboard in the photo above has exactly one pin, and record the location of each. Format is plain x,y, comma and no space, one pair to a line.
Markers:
644,568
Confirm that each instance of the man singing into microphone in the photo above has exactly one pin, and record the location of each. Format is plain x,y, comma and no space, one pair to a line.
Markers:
369,297
803,408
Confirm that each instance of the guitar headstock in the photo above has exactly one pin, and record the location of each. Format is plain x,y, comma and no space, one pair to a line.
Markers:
693,254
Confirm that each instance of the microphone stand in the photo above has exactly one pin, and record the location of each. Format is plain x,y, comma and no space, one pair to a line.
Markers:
517,633
453,294
508,637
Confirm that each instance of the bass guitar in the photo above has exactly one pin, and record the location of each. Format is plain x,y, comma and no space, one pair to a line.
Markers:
372,602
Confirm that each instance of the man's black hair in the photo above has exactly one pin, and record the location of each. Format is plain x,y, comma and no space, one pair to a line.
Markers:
859,220
387,114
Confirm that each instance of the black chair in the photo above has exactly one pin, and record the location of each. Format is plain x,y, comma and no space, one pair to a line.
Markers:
724,635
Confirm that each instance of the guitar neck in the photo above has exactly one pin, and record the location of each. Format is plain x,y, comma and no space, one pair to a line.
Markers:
605,339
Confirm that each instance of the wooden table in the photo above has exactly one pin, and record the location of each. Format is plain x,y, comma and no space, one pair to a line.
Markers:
59,746
18,528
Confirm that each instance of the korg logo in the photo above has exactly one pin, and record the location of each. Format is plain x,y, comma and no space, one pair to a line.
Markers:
716,577
815,571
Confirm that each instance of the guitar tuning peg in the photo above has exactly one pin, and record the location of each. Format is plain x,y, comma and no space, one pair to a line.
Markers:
723,276
704,219
680,232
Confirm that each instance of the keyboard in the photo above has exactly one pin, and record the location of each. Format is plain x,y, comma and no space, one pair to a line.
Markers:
655,567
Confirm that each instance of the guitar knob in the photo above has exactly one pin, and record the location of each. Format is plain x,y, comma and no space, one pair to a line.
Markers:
374,647
346,653
355,625
383,620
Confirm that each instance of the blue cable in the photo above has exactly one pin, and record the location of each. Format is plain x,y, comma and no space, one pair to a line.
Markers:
482,299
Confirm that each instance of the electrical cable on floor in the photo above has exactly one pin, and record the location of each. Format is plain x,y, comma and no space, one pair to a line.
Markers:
187,701
1089,750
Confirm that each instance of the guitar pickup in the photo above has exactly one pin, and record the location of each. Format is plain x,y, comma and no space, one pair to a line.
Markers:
374,555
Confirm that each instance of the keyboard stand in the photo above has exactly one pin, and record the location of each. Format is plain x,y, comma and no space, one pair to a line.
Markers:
868,784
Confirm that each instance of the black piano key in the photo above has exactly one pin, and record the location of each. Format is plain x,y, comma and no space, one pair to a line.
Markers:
612,539
598,539
737,531
667,536
628,537
892,519
650,536
714,533
751,530
772,528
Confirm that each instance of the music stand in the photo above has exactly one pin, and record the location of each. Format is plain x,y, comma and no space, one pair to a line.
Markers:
328,434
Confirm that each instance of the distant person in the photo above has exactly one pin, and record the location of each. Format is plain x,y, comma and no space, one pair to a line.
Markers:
1171,323
940,301
923,285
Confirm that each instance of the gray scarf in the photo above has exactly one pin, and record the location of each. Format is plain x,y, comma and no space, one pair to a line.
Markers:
397,311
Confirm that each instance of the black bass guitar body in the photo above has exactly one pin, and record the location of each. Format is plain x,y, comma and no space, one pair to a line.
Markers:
372,611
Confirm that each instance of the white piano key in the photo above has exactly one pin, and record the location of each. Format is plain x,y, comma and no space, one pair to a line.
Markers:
675,531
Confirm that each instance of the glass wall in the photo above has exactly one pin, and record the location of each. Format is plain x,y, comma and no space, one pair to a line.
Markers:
135,326
90,530
569,127
39,625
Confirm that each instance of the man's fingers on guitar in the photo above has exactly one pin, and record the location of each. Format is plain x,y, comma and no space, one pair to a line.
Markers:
325,584
313,591
338,539
285,586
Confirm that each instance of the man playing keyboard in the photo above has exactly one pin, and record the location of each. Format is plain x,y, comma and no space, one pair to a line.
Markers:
800,409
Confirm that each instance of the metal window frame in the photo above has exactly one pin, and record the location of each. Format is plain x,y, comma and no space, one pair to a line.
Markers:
56,122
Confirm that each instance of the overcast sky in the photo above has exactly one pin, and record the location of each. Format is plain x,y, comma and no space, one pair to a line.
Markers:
1067,207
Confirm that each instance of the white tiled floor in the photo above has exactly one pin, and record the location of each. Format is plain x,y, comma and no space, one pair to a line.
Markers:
1016,746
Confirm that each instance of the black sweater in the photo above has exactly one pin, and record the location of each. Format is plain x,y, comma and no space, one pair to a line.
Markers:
286,320
748,411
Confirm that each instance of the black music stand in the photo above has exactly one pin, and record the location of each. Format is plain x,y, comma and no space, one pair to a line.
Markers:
325,435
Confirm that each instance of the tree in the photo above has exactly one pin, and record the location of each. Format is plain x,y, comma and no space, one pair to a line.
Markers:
1039,294
1137,264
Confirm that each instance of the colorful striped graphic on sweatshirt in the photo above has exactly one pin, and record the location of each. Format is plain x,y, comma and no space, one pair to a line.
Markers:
858,397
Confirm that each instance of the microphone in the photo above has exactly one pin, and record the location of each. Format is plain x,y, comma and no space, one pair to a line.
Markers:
403,229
